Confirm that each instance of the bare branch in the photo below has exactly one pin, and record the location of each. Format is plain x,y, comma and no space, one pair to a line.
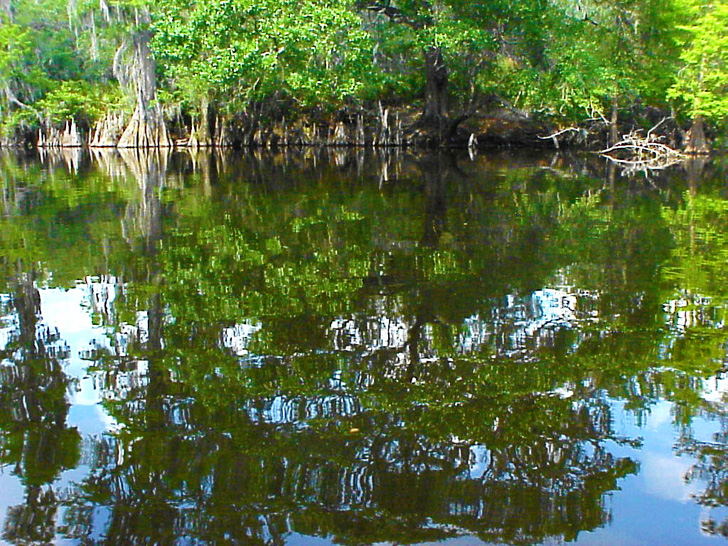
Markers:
642,154
663,120
559,133
12,98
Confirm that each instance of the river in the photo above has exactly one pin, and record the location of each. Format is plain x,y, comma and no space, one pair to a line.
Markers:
356,347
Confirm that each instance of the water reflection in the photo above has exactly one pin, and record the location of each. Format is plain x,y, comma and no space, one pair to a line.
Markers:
36,441
361,348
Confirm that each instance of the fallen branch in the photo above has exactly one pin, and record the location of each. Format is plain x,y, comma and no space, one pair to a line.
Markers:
653,148
558,134
642,153
555,136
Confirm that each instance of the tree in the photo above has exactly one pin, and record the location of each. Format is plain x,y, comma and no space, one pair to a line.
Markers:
448,34
241,53
702,83
17,73
55,65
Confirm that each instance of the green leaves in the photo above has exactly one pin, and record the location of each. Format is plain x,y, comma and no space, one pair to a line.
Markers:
558,58
15,45
702,83
79,100
312,52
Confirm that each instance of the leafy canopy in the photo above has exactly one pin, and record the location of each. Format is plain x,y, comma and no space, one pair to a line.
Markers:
702,84
311,51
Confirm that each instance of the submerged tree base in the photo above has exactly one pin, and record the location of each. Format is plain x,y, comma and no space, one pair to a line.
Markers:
145,130
495,125
380,126
697,144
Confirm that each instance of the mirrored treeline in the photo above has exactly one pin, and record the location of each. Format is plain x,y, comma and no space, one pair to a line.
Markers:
356,346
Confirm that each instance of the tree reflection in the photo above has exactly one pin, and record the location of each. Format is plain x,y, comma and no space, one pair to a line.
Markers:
710,470
398,439
366,358
33,409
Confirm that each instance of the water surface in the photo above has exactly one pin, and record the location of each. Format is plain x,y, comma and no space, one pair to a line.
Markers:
340,347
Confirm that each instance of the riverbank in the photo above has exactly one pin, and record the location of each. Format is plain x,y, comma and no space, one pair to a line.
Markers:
495,125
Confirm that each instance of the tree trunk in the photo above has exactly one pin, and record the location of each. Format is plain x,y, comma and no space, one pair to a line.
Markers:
696,142
222,136
613,123
204,134
436,73
107,132
146,128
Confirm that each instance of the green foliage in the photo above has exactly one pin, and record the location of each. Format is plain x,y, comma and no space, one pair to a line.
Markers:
15,45
312,52
79,100
20,78
49,64
702,84
562,59
593,51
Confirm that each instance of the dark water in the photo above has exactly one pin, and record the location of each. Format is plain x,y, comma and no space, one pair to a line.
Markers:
350,348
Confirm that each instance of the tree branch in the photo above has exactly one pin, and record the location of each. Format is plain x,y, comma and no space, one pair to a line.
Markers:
12,98
396,15
559,133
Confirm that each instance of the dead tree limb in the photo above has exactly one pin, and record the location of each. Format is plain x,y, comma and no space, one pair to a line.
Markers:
14,99
637,153
555,136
